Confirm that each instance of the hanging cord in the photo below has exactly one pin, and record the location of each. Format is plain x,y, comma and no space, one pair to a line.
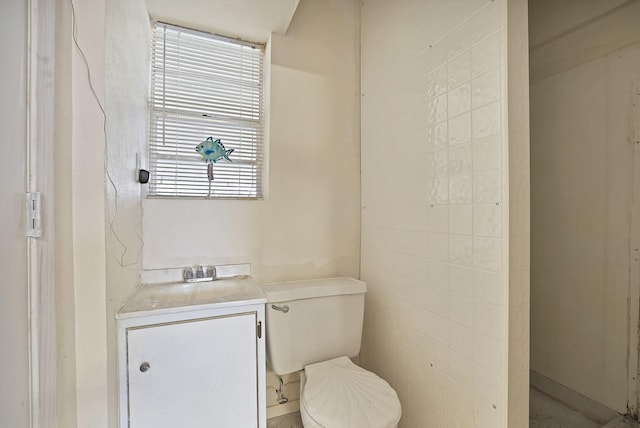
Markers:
106,151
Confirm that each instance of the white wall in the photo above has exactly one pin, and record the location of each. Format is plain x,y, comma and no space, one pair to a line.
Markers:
14,351
80,219
127,44
308,225
565,34
582,121
435,204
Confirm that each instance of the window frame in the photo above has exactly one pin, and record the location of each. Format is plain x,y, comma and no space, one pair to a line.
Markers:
241,126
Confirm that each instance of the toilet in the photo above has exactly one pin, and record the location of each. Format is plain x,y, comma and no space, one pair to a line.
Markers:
316,326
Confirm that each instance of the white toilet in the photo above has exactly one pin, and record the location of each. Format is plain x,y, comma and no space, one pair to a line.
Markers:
316,325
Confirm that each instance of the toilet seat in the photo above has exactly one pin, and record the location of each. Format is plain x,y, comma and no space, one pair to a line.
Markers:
339,394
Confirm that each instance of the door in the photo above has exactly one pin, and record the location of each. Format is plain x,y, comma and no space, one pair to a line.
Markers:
14,351
195,373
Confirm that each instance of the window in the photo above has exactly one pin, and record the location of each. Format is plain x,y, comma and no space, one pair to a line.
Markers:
203,86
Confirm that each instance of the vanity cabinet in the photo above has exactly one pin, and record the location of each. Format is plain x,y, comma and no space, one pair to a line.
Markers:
196,368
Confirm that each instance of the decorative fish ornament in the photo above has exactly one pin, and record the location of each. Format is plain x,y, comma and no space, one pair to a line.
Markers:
213,150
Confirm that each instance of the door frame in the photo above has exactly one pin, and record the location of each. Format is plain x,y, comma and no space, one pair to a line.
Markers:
41,33
633,381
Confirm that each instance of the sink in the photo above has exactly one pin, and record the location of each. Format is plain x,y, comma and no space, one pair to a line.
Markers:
149,299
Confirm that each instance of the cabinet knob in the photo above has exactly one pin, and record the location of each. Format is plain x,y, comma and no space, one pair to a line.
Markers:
144,367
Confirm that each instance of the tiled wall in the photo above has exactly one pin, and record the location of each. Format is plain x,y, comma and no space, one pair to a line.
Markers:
435,235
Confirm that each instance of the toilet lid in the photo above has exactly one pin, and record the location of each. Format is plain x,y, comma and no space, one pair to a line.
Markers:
340,394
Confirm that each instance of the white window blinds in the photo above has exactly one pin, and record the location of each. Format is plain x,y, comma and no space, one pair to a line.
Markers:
204,86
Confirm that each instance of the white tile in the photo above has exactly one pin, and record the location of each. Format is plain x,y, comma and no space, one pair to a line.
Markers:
489,353
487,187
489,320
486,414
437,110
437,301
487,254
459,70
461,280
460,249
437,55
439,218
485,22
438,274
437,82
437,355
485,121
487,153
456,420
476,5
486,88
400,381
437,406
438,246
416,344
419,243
414,412
437,163
460,189
487,220
460,129
438,189
437,136
459,100
458,40
438,330
460,309
461,159
460,398
461,339
488,385
460,219
485,55
415,314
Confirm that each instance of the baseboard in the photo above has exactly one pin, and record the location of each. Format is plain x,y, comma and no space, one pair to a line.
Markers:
585,405
622,422
283,409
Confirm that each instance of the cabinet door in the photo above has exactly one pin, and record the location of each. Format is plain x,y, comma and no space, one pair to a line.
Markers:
192,374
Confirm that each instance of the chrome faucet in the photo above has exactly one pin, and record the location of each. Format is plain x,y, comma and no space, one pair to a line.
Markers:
201,274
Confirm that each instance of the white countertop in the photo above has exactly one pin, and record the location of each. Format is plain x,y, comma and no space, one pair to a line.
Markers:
175,297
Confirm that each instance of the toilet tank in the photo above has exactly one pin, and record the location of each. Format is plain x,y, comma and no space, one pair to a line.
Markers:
313,320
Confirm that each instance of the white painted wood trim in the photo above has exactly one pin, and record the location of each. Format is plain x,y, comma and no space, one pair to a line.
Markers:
40,178
634,261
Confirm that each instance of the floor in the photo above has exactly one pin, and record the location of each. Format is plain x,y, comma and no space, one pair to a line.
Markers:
545,412
291,420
